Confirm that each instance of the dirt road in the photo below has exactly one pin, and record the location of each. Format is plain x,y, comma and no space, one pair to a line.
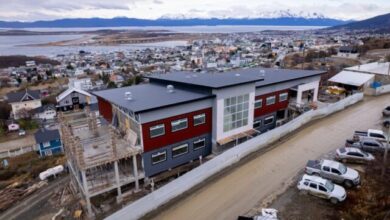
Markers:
245,187
28,207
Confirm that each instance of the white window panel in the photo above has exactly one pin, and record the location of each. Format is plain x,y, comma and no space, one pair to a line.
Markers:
179,124
159,157
270,100
199,119
180,150
157,130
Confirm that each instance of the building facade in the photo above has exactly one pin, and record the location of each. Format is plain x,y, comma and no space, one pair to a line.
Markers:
182,116
48,142
24,101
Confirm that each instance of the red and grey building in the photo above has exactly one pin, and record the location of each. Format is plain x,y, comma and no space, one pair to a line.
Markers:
180,116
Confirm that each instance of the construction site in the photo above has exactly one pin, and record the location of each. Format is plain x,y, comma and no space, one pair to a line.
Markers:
100,158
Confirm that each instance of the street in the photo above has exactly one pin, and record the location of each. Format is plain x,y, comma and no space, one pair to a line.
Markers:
266,174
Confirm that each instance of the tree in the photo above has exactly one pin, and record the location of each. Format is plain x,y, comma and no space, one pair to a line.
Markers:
137,79
129,82
105,78
111,84
5,110
49,73
387,58
69,67
49,100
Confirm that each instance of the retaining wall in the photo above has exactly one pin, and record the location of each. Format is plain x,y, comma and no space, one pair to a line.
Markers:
382,90
196,176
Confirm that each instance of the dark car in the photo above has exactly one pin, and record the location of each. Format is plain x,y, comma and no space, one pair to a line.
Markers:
386,112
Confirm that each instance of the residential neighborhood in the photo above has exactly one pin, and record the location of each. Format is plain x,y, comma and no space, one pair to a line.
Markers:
222,125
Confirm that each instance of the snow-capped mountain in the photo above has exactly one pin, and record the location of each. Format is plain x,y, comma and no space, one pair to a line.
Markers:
260,14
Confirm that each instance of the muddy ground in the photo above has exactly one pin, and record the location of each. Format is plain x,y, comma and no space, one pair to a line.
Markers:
370,200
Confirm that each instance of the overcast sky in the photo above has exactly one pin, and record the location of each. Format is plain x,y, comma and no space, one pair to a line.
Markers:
30,10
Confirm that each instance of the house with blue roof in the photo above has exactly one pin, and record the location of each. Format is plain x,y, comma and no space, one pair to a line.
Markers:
48,142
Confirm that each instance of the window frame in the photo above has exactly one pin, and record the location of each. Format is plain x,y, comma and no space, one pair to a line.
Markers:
270,97
153,127
200,115
258,101
273,120
158,154
283,94
178,120
179,147
199,140
258,121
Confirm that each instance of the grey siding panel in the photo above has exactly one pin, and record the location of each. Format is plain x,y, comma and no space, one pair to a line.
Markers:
285,85
175,110
263,128
171,162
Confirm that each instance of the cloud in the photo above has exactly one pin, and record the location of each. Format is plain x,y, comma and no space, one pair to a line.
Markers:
158,2
28,10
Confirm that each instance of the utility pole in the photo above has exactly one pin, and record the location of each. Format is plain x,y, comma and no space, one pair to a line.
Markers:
386,127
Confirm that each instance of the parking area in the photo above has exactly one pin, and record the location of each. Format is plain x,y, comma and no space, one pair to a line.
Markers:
370,200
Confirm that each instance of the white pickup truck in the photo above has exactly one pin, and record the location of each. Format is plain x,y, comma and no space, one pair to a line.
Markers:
332,170
371,134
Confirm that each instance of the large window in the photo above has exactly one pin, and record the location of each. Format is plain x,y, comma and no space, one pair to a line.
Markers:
258,103
269,120
179,150
179,124
235,112
157,130
199,119
199,143
159,157
283,97
270,100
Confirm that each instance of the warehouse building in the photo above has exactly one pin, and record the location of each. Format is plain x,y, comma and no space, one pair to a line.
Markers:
180,116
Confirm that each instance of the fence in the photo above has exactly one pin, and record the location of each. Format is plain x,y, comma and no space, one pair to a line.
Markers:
16,151
196,176
382,90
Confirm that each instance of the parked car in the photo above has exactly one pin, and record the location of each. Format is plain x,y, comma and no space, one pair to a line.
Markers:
367,145
386,112
386,123
354,155
323,188
22,132
371,134
333,170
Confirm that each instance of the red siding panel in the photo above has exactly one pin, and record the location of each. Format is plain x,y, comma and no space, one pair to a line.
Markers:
267,109
105,109
174,137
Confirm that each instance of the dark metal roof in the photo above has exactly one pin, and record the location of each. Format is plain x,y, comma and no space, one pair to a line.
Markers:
274,76
44,108
149,96
211,80
18,96
44,135
262,77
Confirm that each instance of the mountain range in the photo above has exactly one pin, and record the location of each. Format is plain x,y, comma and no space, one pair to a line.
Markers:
286,20
378,23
